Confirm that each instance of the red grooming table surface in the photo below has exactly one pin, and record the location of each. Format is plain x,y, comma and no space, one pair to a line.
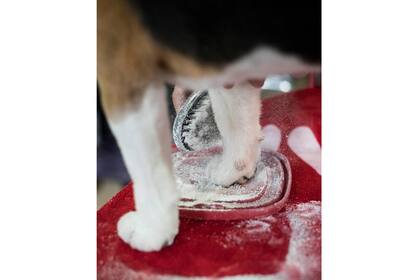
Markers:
285,245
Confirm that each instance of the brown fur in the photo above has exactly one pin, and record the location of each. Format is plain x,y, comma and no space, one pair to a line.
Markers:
129,59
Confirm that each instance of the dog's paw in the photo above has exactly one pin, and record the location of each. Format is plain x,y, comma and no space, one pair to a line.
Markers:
146,233
225,171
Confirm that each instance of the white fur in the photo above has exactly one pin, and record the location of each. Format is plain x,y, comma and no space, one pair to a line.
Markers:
258,64
236,112
144,139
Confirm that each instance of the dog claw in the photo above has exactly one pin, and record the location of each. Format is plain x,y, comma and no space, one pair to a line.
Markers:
243,180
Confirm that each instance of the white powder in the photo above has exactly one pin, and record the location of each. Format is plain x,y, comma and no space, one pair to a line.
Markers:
305,243
257,226
195,188
303,260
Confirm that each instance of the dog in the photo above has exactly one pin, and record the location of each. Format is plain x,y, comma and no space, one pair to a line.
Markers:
141,44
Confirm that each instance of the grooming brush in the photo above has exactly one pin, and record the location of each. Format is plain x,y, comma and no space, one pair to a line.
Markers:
194,126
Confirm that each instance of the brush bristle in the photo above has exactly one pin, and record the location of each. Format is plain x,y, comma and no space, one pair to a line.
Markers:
199,131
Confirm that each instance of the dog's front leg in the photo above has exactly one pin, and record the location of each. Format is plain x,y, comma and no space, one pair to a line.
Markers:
237,115
143,135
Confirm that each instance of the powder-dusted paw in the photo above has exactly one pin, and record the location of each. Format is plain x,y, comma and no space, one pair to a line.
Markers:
226,171
148,233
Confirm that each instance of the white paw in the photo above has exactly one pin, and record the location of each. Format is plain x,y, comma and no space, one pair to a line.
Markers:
148,233
224,170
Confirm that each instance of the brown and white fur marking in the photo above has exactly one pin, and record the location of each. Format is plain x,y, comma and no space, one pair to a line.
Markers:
132,68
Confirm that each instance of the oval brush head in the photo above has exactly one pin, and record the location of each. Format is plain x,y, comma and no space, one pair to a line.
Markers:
194,126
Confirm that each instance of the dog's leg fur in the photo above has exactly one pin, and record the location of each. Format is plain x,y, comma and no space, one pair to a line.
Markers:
130,66
144,138
135,106
237,115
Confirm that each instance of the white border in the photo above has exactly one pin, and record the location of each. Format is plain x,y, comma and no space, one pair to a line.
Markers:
48,140
371,140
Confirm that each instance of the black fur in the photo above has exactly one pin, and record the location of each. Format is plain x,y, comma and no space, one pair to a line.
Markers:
218,31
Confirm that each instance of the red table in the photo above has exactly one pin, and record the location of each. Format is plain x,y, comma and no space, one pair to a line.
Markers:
286,245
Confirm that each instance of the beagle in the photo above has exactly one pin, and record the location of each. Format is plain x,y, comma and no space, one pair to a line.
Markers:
141,44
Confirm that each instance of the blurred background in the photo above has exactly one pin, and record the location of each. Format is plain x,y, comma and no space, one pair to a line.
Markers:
111,172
